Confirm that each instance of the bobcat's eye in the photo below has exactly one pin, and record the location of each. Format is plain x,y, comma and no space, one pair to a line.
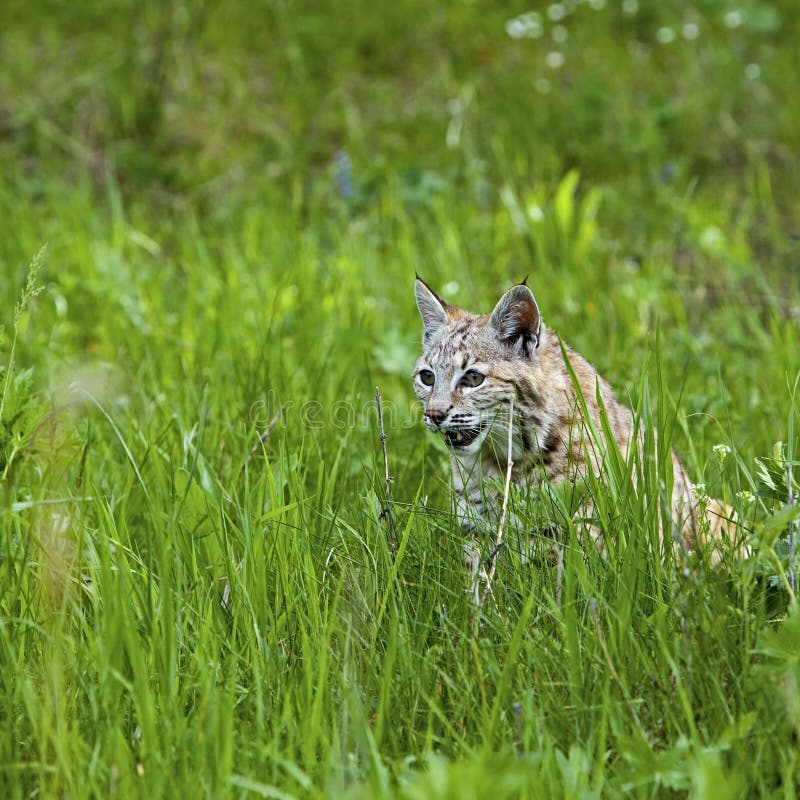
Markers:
472,378
427,377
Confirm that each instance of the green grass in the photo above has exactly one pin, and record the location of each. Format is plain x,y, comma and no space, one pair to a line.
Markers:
235,198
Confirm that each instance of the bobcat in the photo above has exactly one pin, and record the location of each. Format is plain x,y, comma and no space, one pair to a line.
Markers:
471,367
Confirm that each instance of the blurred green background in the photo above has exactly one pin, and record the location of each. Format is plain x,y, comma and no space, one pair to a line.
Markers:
444,129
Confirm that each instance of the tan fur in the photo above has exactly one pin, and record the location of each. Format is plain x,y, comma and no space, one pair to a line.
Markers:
510,352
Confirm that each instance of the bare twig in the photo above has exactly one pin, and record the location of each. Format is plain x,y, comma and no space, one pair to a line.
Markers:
265,435
387,511
792,537
559,573
503,511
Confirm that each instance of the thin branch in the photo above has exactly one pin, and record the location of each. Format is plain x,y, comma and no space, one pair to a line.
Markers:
265,435
387,511
792,537
559,573
504,510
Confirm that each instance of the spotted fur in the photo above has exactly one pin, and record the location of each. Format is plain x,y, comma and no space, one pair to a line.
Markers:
471,367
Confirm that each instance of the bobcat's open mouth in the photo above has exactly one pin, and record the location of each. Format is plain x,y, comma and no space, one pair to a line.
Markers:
461,438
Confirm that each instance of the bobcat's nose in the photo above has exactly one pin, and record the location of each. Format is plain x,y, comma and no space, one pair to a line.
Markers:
436,415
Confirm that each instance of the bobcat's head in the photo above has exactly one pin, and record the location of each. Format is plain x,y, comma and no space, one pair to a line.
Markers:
471,363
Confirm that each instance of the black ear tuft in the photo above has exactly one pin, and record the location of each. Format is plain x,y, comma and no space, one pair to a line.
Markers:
517,320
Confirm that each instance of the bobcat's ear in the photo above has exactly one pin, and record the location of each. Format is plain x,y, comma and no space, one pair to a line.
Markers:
432,308
517,320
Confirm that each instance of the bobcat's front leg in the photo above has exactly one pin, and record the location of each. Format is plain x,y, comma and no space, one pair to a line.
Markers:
478,509
477,506
474,512
471,515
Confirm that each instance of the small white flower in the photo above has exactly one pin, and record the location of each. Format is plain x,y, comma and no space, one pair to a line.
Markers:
515,29
556,12
733,19
665,35
752,72
690,31
699,491
722,451
554,59
746,497
559,34
525,26
630,7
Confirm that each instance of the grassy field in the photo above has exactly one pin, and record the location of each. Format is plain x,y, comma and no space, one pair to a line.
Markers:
211,216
